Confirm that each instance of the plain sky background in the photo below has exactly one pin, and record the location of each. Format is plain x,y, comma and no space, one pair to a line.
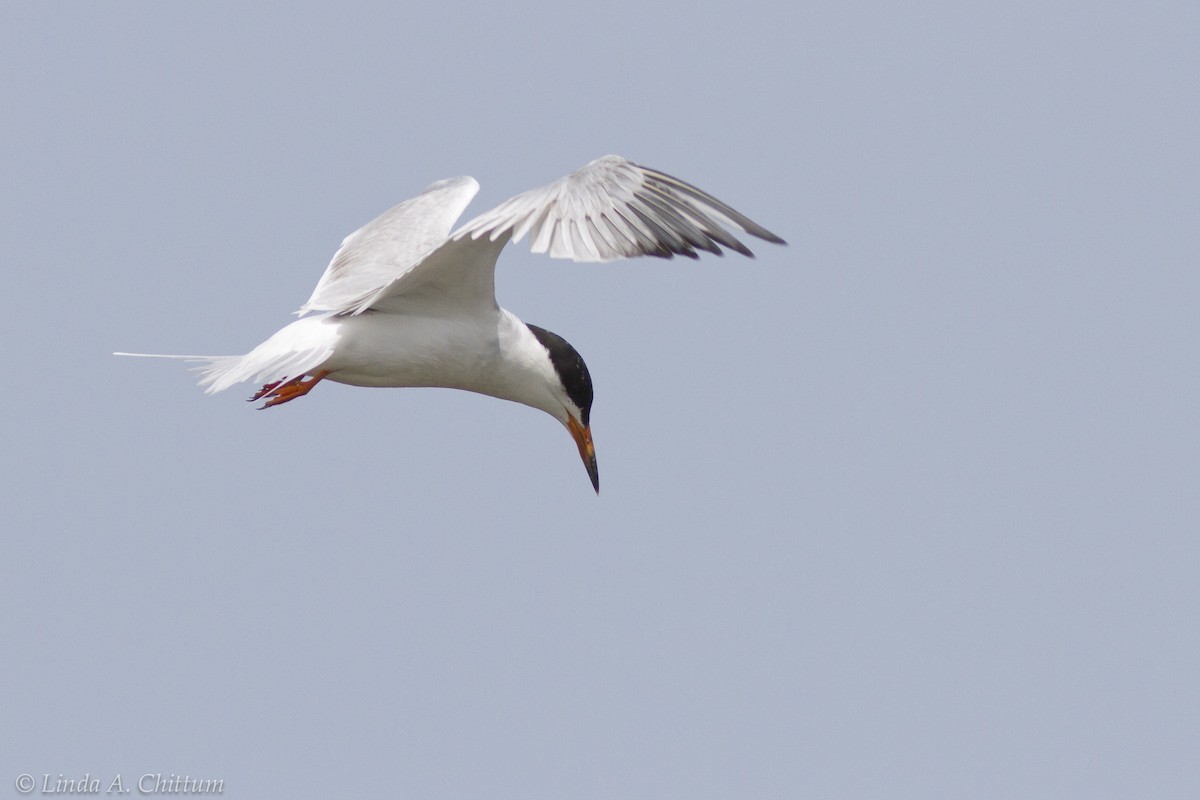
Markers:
907,509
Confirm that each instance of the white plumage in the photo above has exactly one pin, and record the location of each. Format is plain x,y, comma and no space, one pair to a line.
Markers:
407,301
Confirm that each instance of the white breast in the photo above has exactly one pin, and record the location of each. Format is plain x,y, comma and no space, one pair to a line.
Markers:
493,354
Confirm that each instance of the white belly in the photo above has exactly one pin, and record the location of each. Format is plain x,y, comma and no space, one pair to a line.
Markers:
400,350
491,353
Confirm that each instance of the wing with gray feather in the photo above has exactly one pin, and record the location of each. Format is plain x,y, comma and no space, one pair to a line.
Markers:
613,208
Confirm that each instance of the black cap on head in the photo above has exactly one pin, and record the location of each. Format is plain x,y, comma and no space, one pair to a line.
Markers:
570,368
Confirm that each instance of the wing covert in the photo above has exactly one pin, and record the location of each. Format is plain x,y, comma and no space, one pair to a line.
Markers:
381,252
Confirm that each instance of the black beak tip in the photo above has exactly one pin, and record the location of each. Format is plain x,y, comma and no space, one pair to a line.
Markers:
594,474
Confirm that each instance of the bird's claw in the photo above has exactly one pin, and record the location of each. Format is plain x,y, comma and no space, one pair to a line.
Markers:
281,392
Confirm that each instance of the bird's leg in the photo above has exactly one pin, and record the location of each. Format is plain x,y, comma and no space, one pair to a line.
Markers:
281,392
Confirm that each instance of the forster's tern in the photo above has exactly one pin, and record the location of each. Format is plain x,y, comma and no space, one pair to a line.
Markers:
406,301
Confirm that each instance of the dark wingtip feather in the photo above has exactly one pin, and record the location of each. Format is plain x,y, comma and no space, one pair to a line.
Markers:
740,248
766,235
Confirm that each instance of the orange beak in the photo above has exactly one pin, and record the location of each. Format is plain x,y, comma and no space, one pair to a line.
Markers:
582,434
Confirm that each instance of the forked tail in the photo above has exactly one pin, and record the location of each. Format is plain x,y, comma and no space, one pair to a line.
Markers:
297,350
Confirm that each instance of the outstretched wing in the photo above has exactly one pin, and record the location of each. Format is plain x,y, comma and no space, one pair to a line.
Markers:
614,208
383,250
609,209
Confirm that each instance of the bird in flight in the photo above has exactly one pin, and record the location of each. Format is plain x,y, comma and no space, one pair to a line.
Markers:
410,301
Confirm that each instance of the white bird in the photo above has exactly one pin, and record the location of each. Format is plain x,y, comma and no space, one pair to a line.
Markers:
406,301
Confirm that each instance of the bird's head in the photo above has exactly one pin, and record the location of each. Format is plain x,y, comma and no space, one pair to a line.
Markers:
573,393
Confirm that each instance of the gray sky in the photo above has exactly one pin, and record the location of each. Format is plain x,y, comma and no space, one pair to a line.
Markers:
906,509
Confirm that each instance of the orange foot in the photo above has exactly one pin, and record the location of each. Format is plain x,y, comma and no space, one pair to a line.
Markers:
261,393
280,392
